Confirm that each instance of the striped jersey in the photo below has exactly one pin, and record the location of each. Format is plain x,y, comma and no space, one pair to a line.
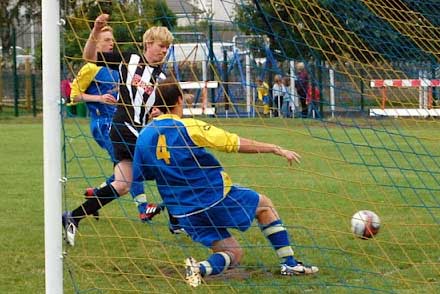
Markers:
136,89
172,151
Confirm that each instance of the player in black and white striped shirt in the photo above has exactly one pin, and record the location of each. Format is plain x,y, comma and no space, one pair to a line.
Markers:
138,76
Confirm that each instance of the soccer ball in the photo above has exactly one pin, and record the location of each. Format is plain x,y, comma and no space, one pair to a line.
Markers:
365,224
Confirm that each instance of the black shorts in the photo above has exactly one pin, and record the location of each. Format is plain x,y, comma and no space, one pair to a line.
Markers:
123,140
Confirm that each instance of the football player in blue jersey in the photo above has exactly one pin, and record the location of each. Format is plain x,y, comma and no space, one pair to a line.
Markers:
198,192
138,74
97,87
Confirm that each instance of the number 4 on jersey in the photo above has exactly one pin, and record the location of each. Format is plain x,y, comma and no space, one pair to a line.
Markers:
161,149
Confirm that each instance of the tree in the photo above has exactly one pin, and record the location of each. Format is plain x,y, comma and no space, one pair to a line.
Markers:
304,30
10,16
128,20
262,17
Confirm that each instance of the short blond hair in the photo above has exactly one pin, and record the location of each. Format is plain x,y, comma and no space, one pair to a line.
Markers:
107,29
156,33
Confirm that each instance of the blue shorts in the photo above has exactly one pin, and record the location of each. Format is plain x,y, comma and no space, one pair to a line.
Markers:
236,211
100,128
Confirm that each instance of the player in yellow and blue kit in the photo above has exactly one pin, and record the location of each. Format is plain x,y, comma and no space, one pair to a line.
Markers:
199,193
138,75
97,87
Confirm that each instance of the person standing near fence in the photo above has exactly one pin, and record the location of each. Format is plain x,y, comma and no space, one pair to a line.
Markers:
263,96
312,101
301,86
278,95
286,108
66,89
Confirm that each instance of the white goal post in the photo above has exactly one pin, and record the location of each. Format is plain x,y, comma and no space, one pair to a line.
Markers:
50,10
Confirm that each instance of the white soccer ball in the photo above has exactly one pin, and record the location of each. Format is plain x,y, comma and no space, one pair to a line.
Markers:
365,224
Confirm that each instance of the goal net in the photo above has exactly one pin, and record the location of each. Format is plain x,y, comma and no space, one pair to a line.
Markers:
351,161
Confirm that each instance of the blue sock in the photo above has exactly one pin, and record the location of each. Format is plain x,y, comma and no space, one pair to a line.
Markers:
216,264
277,235
290,261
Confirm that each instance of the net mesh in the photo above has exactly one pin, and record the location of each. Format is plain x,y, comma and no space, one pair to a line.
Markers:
351,159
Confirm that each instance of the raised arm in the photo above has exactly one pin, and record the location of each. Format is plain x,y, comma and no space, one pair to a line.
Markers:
89,53
252,146
206,135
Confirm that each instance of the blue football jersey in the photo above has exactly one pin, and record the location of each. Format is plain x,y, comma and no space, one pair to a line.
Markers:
172,151
96,80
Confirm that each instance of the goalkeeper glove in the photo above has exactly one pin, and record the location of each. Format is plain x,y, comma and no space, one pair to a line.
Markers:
146,210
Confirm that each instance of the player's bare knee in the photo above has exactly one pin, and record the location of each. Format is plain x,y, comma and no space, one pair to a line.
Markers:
121,187
266,211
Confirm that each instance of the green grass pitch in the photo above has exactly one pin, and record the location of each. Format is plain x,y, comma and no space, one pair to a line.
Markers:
390,167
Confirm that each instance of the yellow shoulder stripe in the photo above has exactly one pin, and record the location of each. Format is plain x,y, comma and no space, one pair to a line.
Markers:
83,79
206,135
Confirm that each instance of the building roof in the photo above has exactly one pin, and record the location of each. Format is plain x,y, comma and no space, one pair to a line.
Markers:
182,7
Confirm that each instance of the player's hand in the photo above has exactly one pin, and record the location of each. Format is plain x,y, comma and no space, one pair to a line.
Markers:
108,99
288,154
148,210
100,22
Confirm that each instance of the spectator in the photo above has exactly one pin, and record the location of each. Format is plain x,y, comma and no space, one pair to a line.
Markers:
66,88
278,91
301,86
312,101
263,95
286,108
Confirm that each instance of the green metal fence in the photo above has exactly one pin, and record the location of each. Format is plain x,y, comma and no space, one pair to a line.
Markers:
20,92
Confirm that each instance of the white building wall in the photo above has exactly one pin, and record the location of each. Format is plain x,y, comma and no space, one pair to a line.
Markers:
218,10
223,11
188,52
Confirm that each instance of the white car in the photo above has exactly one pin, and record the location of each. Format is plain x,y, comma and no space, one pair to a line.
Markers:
22,56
